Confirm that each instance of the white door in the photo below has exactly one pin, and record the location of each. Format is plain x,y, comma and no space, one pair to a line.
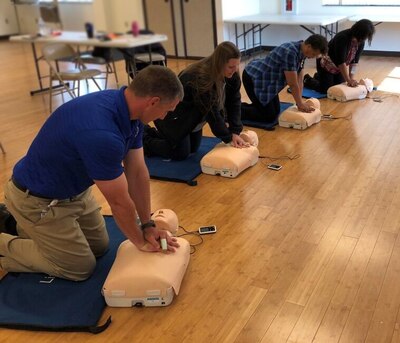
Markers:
199,27
160,20
8,18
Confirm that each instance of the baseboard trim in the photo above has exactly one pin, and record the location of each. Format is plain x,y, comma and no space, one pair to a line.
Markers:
381,53
365,52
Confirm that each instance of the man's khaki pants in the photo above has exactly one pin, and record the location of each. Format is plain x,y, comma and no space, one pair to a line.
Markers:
57,237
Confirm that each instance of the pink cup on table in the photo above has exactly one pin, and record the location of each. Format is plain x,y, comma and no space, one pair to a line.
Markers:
135,28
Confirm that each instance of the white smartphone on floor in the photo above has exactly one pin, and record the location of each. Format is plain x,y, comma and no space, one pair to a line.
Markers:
204,230
274,166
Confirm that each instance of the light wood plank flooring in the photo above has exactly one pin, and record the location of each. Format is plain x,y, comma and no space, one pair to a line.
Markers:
307,254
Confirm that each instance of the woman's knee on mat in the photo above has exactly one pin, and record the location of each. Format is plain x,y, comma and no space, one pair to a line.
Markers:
182,150
323,88
180,154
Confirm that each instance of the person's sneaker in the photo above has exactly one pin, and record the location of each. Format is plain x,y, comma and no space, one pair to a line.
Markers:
306,78
7,221
311,83
150,131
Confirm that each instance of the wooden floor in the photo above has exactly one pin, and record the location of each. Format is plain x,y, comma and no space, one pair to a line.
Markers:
307,254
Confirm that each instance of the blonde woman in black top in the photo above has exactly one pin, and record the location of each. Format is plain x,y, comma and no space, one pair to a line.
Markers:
212,95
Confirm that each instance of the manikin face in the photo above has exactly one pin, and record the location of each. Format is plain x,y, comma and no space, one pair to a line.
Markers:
160,214
231,67
166,219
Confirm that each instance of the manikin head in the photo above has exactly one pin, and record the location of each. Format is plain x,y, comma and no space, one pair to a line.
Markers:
249,136
166,219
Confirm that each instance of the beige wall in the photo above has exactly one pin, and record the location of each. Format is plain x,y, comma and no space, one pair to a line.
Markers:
106,15
73,16
121,13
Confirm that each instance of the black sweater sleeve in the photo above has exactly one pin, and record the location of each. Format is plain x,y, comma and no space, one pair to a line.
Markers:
216,119
233,103
358,54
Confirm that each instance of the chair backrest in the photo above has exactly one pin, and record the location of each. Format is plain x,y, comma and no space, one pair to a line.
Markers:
58,51
155,47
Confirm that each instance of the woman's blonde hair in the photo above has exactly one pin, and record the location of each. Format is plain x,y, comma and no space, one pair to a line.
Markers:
209,75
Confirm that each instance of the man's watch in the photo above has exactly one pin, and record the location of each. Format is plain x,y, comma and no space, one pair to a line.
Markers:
150,223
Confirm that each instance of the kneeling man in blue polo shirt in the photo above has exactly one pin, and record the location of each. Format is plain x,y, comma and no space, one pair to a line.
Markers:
93,139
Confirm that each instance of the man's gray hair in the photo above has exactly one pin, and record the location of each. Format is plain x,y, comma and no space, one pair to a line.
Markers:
157,81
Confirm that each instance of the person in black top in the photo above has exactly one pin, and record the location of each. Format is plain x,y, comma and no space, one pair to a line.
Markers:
344,52
212,95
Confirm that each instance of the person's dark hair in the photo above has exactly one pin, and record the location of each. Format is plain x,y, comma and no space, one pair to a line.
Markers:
157,81
318,42
363,30
209,73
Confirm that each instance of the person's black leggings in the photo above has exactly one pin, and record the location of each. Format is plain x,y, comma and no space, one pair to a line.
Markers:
323,80
257,111
154,144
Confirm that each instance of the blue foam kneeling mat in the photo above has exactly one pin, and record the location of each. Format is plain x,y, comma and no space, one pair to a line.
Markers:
31,301
264,125
310,93
181,171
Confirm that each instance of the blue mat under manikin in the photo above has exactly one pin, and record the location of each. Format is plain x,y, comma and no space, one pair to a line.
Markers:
33,301
264,125
310,93
181,171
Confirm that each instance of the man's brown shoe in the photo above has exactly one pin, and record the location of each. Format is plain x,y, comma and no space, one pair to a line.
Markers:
3,273
7,221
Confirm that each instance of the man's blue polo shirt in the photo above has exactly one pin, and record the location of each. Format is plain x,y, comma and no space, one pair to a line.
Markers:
85,139
268,74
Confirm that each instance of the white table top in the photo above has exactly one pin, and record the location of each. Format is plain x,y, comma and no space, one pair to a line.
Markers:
288,19
80,38
376,18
